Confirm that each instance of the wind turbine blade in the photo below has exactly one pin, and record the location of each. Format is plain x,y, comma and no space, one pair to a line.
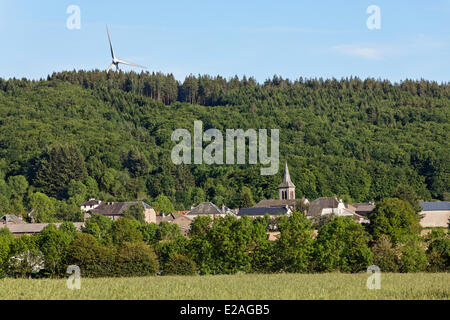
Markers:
131,64
110,43
110,68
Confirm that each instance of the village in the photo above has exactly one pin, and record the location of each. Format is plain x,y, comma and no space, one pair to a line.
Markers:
433,215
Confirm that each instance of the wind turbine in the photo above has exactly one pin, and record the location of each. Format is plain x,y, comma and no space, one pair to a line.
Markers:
115,61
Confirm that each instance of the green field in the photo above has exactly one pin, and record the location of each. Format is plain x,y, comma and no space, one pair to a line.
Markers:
238,287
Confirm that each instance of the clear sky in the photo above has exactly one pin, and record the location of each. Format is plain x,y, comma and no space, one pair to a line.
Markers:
257,38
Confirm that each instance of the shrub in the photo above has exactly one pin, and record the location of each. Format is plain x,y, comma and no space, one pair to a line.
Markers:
27,258
94,259
413,257
6,238
180,265
27,263
136,259
125,230
385,256
168,231
166,249
149,233
295,247
439,255
265,258
99,226
395,218
341,245
54,244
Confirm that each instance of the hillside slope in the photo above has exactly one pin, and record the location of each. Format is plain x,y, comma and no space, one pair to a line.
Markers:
359,139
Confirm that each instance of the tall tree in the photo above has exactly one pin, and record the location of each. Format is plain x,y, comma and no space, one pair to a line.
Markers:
395,218
57,167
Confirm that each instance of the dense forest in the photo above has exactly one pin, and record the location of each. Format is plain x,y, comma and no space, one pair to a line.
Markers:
78,135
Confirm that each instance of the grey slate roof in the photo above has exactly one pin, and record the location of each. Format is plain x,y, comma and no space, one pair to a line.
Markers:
205,208
116,208
435,206
261,211
275,203
318,205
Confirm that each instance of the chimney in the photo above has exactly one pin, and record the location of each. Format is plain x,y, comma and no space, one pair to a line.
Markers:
223,208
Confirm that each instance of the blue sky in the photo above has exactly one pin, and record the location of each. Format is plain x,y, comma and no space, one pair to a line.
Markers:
257,38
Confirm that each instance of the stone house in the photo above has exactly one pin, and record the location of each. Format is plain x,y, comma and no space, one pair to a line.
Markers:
115,210
209,209
91,204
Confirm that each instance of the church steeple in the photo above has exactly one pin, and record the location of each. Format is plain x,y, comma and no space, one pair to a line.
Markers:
287,188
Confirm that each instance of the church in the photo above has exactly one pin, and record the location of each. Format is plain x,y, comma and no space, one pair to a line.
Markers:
284,205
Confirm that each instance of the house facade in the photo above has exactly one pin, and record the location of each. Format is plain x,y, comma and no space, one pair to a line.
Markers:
335,206
184,223
91,204
435,214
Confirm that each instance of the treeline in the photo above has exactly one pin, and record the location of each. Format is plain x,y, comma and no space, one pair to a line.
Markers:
78,135
212,91
127,247
218,91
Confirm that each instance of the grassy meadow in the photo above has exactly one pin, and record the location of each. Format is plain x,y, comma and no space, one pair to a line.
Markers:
237,287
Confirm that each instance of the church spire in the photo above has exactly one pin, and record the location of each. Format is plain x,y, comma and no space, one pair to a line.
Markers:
287,176
287,183
287,188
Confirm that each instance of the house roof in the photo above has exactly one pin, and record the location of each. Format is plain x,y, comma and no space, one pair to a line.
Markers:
363,209
287,183
205,208
91,202
318,205
261,211
275,203
116,208
183,221
35,227
10,218
435,206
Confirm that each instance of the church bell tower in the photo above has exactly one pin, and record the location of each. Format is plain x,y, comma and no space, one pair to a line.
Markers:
287,188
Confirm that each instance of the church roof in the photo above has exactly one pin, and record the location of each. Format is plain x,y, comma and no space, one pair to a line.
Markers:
275,203
287,183
261,211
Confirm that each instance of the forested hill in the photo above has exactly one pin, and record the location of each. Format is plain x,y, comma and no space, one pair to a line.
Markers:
90,134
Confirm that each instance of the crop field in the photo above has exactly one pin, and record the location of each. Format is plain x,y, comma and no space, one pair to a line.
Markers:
235,287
